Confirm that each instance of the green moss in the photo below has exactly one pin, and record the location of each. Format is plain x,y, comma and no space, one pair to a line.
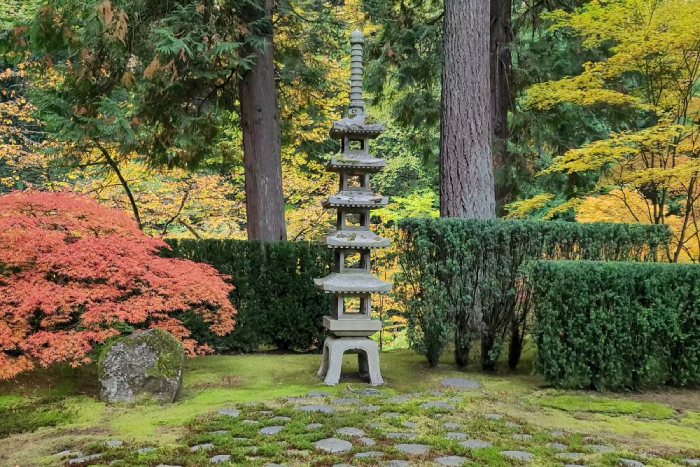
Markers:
20,417
214,382
170,353
576,403
10,400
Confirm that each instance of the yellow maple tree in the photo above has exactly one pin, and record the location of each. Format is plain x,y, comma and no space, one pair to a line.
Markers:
648,173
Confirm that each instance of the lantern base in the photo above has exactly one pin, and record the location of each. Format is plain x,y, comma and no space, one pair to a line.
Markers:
367,357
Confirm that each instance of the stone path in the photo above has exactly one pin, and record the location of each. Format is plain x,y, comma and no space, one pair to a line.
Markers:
434,428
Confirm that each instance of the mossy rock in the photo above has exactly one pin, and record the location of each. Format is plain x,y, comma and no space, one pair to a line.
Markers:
144,365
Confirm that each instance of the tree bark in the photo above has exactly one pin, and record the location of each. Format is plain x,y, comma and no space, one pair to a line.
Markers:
500,57
262,141
466,166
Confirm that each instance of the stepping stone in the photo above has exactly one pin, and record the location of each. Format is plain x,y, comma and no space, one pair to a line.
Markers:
369,408
493,416
453,435
413,448
219,432
240,439
265,412
250,404
145,450
460,383
522,437
559,434
451,460
333,445
512,425
220,458
396,463
83,459
230,412
271,430
368,454
68,452
400,434
368,392
391,415
367,441
319,394
280,418
692,462
345,400
316,408
475,444
436,405
517,455
558,446
375,425
250,422
631,463
397,400
112,443
314,426
350,431
410,424
452,425
571,456
599,447
201,447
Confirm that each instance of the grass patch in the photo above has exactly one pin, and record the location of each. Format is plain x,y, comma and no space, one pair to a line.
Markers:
17,415
605,405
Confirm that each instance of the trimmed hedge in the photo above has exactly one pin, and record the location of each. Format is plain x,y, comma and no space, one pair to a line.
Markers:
616,325
277,302
463,278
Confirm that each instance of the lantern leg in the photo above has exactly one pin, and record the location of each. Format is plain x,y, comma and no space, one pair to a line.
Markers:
323,371
368,359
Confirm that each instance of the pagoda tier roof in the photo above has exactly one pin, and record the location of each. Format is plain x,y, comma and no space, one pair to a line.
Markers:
352,282
360,239
355,199
359,163
356,125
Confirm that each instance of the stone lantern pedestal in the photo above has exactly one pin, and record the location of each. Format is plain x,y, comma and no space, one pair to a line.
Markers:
351,283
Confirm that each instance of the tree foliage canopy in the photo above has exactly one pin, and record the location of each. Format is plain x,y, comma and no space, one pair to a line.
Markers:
73,274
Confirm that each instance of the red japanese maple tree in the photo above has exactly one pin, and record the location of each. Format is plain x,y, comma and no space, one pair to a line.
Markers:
73,272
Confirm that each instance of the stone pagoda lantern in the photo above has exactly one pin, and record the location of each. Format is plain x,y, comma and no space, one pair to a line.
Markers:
351,283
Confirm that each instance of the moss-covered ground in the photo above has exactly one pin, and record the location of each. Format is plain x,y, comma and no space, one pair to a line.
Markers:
49,411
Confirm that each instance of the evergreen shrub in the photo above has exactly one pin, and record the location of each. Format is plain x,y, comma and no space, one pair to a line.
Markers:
464,278
607,325
277,302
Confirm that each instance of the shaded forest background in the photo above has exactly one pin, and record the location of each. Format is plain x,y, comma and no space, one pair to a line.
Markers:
594,107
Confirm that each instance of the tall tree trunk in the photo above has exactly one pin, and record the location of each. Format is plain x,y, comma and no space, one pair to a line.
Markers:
466,167
262,142
500,56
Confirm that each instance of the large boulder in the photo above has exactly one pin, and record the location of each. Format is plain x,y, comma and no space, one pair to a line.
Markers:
144,365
